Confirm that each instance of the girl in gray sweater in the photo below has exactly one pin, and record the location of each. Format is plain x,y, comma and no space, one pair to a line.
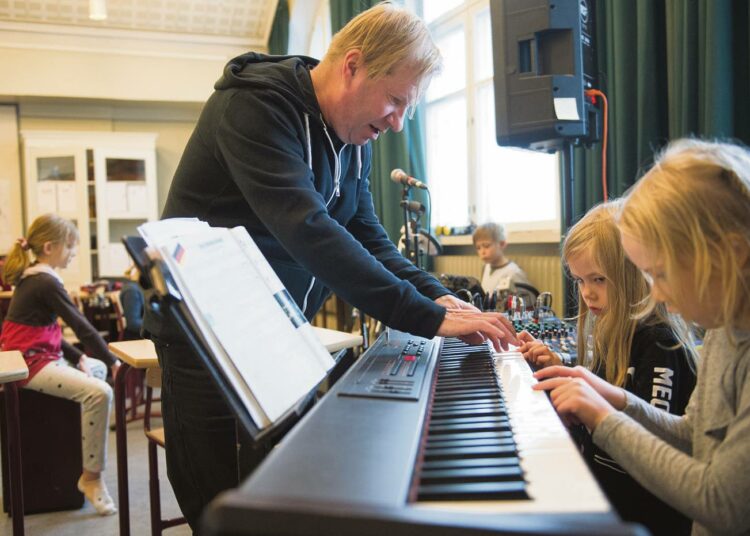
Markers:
686,225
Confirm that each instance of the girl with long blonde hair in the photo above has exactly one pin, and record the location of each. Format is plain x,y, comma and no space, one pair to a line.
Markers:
686,226
649,355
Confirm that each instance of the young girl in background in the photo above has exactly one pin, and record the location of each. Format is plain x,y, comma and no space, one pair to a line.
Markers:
56,367
650,357
686,225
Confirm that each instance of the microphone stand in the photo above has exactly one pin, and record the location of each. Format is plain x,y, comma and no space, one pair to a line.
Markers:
405,205
412,232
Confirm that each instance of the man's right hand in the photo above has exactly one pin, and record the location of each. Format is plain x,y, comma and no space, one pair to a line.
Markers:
475,328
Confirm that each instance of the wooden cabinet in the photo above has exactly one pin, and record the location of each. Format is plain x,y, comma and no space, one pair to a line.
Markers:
104,181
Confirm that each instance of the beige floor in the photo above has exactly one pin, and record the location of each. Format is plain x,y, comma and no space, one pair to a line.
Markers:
86,522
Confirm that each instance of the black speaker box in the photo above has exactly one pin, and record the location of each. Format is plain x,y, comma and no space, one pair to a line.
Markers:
543,57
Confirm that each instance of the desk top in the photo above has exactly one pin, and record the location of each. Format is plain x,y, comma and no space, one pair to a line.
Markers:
142,354
138,354
12,367
337,340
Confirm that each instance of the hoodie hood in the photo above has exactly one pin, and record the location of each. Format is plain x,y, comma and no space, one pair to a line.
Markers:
261,71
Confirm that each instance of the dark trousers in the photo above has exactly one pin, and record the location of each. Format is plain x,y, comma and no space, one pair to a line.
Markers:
206,452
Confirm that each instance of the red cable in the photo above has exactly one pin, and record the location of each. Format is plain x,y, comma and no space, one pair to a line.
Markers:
596,93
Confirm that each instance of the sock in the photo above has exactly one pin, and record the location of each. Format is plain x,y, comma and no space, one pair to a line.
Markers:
97,494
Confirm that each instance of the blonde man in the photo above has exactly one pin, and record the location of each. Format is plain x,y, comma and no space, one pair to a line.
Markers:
282,149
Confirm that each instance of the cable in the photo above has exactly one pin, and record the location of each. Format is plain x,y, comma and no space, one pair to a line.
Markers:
596,93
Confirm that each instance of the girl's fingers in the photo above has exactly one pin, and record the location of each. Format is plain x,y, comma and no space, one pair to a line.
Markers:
557,370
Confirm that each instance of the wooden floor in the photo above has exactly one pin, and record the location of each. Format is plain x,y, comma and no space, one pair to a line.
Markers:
86,522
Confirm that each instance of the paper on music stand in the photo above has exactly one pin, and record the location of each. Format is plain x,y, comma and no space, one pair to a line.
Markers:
158,232
265,347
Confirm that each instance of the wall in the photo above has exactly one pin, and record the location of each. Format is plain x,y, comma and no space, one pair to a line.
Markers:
48,60
11,223
67,77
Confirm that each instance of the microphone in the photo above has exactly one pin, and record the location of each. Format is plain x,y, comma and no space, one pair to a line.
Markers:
413,206
400,176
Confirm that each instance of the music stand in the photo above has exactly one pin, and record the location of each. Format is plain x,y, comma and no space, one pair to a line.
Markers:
167,298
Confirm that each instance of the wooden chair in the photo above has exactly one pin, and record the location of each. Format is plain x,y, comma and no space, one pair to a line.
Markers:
155,438
12,369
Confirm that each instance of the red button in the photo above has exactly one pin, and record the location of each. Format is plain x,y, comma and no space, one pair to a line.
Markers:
410,358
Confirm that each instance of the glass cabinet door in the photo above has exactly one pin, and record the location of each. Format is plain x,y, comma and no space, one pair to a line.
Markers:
127,192
56,182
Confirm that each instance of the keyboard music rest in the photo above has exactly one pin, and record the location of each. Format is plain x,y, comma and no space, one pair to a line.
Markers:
347,468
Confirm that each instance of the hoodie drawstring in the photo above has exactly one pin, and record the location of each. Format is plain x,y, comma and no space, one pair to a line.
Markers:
309,143
359,162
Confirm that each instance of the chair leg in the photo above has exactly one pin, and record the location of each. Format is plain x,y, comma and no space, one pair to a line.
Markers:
153,489
14,457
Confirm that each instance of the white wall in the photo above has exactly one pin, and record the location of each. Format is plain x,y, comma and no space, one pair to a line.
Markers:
11,223
44,60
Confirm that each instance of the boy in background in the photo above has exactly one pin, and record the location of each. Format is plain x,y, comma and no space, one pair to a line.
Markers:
500,273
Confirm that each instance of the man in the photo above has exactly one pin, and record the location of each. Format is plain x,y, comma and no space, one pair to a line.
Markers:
282,149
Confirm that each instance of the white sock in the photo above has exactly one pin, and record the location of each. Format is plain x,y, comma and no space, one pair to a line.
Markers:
97,494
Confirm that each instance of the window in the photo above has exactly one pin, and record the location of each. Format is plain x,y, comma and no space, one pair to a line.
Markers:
471,178
321,35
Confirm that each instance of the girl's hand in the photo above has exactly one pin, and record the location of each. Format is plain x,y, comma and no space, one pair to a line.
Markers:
83,365
615,396
536,352
576,401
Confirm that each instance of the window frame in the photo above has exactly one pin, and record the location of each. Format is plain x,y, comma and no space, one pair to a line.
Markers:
466,15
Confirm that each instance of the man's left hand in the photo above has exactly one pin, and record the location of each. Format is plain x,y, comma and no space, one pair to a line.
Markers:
451,302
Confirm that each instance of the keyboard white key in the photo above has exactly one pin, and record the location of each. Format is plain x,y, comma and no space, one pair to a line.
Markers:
558,479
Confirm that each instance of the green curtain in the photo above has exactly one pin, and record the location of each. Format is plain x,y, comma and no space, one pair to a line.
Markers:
392,150
669,70
278,41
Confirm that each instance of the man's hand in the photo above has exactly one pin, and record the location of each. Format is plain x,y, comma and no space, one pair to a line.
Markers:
576,401
451,302
536,352
475,328
614,395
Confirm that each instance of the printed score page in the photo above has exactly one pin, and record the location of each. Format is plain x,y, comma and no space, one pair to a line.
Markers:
230,292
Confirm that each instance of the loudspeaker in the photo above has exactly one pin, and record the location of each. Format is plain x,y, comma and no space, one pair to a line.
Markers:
543,55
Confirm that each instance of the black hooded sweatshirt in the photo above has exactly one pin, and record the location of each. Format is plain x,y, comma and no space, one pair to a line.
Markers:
262,157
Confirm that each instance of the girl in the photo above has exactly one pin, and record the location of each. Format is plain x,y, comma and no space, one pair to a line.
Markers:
55,367
650,357
686,225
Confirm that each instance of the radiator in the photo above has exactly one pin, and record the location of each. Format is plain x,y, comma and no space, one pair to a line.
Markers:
543,271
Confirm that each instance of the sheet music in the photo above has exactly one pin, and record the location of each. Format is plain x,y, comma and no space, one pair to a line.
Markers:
158,232
267,348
